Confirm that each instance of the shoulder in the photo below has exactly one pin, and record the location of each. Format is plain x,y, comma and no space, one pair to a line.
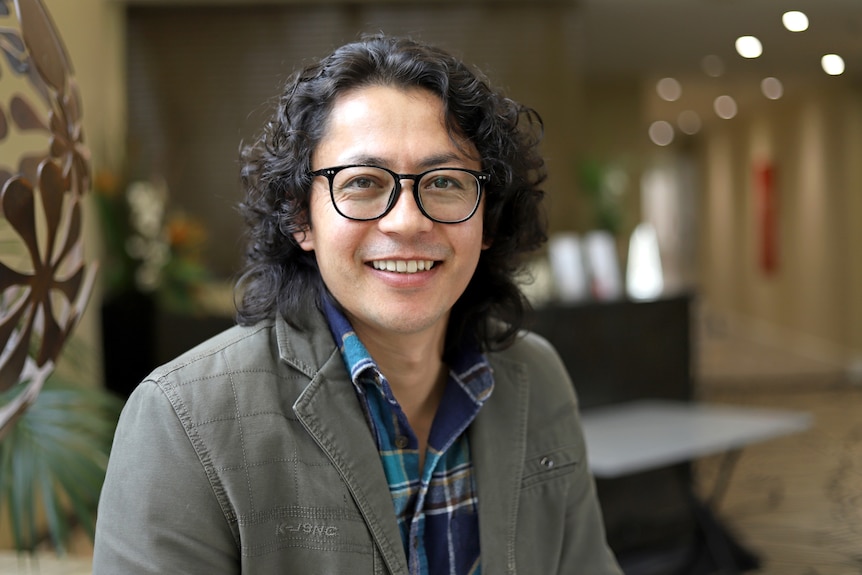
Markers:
241,370
530,347
235,350
530,352
534,360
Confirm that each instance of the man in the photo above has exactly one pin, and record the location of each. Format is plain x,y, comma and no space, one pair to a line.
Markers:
378,410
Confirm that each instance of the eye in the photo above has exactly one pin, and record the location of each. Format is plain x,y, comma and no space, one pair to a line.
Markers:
363,180
444,181
441,182
359,182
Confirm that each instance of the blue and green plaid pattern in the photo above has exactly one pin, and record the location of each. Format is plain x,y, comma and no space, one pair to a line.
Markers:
437,508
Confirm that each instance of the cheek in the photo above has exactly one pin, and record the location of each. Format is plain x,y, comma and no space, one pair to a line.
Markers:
477,244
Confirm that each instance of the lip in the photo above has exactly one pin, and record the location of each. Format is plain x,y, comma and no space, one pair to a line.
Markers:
396,279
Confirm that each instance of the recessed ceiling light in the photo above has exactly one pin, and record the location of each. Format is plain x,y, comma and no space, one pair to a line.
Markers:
668,89
749,47
795,21
725,107
661,133
689,122
772,88
832,64
712,65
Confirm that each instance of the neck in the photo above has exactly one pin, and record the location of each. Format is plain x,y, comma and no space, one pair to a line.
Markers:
413,365
411,362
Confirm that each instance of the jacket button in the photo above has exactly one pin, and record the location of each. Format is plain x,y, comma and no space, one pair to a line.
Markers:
547,462
401,442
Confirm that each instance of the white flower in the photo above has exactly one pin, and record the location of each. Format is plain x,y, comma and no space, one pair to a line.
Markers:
147,203
149,244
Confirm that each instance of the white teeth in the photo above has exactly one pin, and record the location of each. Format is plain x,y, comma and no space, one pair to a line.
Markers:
403,266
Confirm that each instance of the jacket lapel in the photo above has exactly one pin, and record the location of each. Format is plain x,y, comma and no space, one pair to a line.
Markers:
329,410
497,443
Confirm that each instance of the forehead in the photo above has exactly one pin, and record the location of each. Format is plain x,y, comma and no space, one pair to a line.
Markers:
391,123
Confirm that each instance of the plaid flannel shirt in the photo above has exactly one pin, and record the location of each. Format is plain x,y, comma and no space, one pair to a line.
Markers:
436,507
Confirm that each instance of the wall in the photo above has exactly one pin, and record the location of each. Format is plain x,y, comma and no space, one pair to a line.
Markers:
811,302
854,215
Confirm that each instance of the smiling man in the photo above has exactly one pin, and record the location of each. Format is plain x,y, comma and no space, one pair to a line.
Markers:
379,408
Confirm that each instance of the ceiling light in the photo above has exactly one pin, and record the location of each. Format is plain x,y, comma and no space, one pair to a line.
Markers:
772,88
833,64
689,122
661,133
668,89
749,47
795,21
725,107
712,65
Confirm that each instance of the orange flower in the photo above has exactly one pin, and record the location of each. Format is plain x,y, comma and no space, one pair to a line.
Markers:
185,233
107,184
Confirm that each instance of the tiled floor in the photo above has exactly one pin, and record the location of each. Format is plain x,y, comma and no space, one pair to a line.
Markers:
47,565
76,562
796,501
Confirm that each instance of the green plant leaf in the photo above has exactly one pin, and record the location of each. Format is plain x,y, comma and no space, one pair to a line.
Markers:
53,462
53,513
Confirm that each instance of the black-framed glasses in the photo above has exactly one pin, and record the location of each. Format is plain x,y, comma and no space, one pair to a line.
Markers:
444,195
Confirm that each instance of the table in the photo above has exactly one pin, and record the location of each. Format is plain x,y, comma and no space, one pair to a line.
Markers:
638,436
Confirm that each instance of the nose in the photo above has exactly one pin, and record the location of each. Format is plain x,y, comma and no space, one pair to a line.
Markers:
405,217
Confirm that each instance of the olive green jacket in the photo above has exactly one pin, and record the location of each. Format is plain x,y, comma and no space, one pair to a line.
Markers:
251,454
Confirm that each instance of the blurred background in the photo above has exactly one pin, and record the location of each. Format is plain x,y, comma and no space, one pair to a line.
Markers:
730,128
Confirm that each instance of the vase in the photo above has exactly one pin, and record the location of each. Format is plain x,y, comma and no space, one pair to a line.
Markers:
128,340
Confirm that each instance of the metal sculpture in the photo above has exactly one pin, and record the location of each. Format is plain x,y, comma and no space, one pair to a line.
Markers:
44,280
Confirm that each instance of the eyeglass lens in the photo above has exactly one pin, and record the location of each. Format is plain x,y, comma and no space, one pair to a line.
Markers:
446,195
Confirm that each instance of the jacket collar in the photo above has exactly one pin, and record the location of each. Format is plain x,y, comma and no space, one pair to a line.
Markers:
304,348
330,412
498,439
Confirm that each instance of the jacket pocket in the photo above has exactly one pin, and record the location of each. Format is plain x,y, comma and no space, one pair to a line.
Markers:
541,466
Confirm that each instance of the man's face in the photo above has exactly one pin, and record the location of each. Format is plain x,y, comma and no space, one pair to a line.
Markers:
405,132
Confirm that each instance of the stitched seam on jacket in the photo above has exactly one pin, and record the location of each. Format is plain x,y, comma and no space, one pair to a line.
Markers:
350,482
203,454
216,350
227,373
239,423
543,476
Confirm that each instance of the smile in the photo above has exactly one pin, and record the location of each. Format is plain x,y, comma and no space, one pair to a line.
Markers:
403,266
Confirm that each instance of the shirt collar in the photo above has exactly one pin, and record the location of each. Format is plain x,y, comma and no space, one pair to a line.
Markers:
356,357
468,366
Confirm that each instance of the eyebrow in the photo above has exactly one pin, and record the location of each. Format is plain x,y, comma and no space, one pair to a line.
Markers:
424,164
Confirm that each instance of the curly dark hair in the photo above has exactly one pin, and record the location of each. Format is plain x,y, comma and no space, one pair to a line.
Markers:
281,277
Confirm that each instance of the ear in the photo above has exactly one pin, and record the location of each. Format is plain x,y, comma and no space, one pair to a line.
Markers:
305,239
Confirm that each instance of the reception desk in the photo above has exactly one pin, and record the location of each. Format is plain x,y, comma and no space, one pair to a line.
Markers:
622,350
